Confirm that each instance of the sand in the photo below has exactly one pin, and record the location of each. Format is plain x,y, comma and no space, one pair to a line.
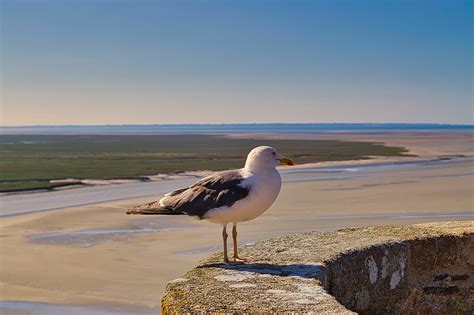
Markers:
95,258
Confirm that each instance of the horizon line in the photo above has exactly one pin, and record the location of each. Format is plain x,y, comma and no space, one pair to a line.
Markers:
241,124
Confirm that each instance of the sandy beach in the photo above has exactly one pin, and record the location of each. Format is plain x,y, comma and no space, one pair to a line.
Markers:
88,256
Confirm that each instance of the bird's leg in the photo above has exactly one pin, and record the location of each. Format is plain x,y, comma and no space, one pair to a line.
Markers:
234,237
224,238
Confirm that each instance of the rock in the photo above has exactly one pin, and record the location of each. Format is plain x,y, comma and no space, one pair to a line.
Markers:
414,269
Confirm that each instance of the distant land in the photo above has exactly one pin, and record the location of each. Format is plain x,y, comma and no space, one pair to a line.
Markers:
31,162
227,128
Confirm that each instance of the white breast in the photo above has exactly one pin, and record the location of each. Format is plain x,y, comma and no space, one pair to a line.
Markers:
264,189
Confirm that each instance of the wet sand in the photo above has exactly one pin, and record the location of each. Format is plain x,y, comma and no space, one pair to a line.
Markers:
95,259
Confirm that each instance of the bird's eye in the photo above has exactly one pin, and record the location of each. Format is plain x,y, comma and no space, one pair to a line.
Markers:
274,153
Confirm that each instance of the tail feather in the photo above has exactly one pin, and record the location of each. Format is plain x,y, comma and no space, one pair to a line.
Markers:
152,208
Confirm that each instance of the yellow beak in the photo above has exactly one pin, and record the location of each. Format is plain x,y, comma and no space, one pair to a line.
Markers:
286,161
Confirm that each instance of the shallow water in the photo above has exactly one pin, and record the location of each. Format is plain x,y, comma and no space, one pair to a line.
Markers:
206,128
37,308
91,237
371,170
18,204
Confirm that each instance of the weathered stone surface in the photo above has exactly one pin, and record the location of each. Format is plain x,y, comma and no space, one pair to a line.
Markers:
417,269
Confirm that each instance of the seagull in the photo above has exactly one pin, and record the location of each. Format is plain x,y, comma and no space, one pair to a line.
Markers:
226,197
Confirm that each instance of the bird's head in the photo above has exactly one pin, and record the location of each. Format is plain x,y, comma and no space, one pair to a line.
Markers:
265,157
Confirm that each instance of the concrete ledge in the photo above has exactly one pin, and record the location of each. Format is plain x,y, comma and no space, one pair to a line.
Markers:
423,268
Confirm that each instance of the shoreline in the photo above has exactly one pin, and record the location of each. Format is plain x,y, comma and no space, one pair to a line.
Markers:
37,202
74,183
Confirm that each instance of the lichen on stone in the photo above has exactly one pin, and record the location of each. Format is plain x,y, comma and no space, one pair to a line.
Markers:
387,269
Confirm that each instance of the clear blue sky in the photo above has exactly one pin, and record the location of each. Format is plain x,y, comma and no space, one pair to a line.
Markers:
137,61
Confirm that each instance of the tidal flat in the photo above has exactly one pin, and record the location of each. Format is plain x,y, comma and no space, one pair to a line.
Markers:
88,255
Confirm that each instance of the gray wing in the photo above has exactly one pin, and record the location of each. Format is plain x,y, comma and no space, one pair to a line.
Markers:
217,190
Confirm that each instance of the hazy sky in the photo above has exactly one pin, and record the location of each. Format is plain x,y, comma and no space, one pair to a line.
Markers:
117,61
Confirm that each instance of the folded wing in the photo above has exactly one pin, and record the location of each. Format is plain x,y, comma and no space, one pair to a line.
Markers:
220,189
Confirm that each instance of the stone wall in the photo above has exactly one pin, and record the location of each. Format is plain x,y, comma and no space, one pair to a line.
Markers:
418,269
